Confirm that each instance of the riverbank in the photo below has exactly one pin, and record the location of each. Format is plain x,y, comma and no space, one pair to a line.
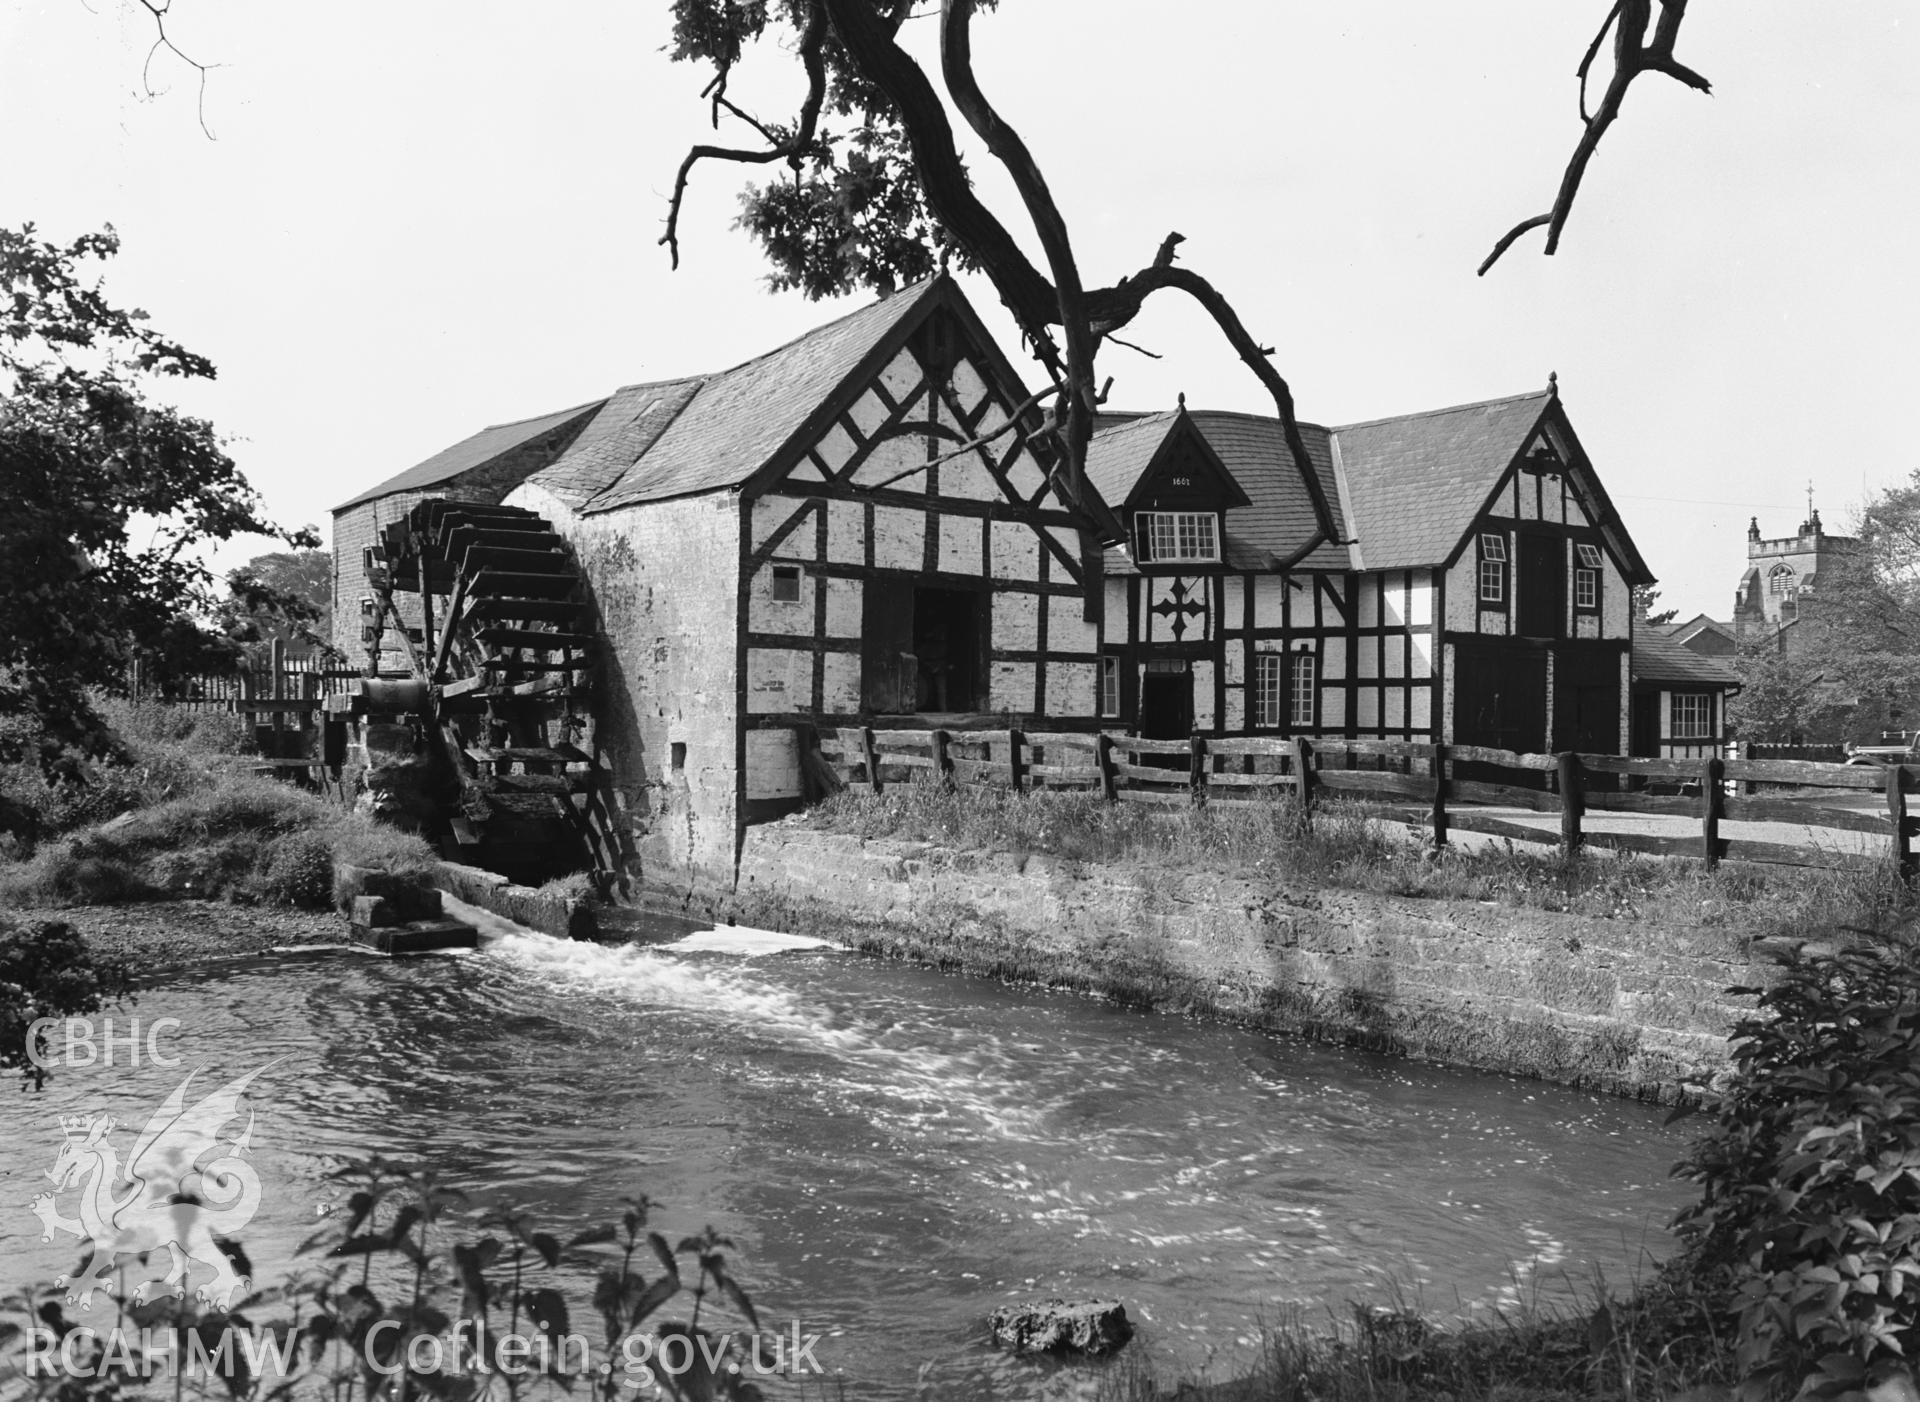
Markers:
160,936
1638,1008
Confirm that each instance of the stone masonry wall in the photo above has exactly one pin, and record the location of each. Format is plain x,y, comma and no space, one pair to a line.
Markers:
1639,1010
662,581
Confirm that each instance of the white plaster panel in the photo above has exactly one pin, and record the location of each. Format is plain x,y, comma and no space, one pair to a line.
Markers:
774,677
968,479
1576,515
1551,494
899,538
1367,659
1067,627
1333,708
1071,689
1463,595
1010,687
902,375
1393,660
769,514
1269,595
960,545
1616,601
765,614
846,533
1529,498
868,413
1393,603
1492,621
894,455
1586,625
1025,476
1116,596
1420,711
1420,655
1396,716
1369,589
834,448
1420,600
1016,551
840,690
773,764
1016,622
967,385
843,608
1366,708
1333,659
1203,695
1232,602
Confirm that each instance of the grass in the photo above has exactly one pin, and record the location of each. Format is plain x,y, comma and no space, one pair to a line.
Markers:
183,816
1663,1340
1344,847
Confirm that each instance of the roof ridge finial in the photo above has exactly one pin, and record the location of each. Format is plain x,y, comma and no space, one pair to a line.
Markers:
1553,383
1183,399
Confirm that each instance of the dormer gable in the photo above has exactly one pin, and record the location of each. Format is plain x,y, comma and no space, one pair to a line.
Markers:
1169,487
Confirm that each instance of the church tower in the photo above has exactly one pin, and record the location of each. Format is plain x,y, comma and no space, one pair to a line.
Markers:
1780,571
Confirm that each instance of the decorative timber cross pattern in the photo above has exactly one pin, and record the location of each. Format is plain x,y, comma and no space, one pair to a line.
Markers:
1183,600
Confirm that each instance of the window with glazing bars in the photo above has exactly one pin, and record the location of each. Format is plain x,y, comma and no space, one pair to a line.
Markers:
1493,568
1180,535
1692,715
1304,687
1109,686
1267,667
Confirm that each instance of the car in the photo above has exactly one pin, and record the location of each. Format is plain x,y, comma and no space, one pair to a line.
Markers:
1895,747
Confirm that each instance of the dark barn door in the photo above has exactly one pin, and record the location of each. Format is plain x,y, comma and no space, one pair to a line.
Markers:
1586,701
1543,586
1500,701
1166,700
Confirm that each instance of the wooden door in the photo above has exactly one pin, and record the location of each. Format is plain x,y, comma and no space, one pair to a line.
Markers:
1542,586
1500,701
1586,700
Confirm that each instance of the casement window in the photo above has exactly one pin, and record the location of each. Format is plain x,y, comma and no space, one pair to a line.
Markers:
1303,688
1179,535
1493,568
1586,577
1692,715
1109,686
786,584
1268,672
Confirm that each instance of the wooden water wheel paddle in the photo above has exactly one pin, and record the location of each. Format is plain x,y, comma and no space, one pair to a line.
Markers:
504,647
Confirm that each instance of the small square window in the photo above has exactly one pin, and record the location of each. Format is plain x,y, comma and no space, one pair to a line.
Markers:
1589,555
1493,547
1692,715
786,584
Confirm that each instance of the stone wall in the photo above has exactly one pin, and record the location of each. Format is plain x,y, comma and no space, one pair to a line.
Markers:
1633,1009
663,581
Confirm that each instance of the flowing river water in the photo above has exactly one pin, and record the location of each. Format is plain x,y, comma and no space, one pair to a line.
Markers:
896,1150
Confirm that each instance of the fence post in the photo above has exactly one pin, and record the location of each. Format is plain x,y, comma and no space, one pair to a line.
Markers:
1897,815
942,761
1197,767
1572,803
873,760
1016,763
1103,760
1303,776
1439,818
1713,802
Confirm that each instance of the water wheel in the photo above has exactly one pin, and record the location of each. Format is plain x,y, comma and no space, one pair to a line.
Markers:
489,607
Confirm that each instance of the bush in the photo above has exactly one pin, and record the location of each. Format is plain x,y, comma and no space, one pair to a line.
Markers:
298,871
1811,1174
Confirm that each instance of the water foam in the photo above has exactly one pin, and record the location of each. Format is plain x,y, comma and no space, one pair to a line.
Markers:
911,1087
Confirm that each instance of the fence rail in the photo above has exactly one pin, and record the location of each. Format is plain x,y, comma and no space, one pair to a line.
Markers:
1128,769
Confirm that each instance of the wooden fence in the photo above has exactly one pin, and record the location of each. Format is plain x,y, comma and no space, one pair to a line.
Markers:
1127,769
283,701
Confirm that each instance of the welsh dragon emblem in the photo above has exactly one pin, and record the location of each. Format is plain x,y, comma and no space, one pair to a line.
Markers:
180,1185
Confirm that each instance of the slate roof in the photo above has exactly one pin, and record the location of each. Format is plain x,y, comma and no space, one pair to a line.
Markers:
627,425
731,424
1658,658
469,453
1254,450
1415,483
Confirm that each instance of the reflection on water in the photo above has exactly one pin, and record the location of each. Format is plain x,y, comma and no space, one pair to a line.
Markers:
894,1150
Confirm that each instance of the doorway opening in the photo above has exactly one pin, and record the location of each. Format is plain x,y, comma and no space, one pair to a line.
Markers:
1166,699
923,649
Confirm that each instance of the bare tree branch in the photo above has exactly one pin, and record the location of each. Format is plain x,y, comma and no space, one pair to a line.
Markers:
1632,56
812,40
163,40
971,445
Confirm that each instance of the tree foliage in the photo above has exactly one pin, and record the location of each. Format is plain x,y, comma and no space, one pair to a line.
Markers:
284,597
1848,664
105,495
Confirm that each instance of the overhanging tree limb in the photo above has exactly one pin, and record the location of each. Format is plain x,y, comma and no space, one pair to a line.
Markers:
1632,56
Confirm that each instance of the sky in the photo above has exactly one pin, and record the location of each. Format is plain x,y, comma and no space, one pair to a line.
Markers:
416,219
